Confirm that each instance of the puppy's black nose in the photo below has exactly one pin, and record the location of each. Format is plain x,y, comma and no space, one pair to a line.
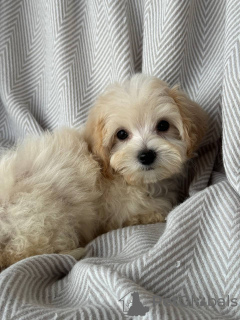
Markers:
147,157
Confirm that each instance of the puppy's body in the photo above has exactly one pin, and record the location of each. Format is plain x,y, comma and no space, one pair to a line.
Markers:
48,196
61,190
53,198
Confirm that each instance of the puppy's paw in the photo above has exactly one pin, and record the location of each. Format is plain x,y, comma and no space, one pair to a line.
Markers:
148,218
76,253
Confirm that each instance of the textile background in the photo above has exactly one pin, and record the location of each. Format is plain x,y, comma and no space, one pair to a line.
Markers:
56,56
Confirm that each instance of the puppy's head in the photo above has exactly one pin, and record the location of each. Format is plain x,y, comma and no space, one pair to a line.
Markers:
144,130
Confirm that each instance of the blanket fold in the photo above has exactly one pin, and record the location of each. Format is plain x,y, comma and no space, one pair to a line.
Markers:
55,58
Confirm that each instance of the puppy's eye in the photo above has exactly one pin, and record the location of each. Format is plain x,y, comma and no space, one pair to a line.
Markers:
163,125
122,134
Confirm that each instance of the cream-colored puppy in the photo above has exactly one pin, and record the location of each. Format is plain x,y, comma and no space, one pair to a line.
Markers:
61,190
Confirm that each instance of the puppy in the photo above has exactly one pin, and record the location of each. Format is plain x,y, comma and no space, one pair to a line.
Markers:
62,189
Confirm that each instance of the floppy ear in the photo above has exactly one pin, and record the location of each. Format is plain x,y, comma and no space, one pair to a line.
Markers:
194,120
95,135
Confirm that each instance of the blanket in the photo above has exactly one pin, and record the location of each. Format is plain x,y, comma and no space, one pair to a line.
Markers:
56,56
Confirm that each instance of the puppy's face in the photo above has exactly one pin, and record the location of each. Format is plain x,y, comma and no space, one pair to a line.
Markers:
144,130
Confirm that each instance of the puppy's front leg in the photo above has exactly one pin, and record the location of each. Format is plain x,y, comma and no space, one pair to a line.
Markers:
148,218
76,253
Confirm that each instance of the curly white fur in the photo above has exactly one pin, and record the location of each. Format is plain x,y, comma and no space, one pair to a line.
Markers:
62,189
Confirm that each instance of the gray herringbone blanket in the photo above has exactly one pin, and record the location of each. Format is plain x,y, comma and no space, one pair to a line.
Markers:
56,56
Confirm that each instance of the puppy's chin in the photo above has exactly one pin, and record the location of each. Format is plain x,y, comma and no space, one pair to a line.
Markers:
152,175
141,178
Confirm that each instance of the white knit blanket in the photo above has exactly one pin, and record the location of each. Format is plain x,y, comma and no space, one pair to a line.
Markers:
56,56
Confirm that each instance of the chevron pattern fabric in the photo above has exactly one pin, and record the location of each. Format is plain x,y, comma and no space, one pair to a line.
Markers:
56,56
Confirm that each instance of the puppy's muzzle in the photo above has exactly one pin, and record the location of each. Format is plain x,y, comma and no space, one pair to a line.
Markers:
147,157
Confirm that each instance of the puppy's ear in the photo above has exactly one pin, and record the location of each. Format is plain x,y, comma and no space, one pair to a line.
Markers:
194,120
96,136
